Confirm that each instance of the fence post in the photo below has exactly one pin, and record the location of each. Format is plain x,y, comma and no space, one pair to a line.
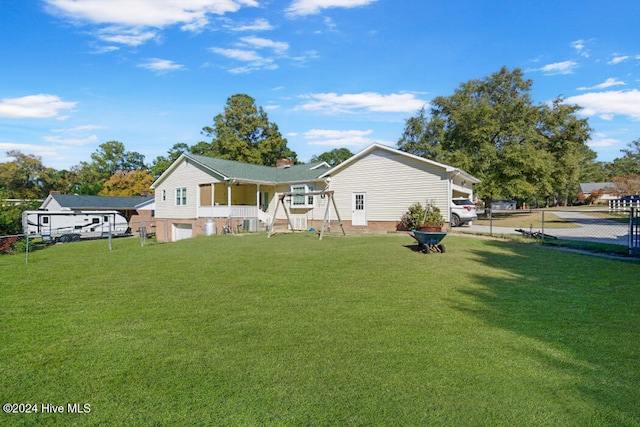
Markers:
491,222
143,234
110,244
27,250
634,232
542,229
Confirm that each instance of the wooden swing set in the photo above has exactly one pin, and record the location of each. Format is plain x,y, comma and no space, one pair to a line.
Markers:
325,220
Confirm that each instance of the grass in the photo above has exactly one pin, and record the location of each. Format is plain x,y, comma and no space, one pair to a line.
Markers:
361,330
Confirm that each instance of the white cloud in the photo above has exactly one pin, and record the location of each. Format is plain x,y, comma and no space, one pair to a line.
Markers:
369,101
238,54
37,150
146,13
610,103
312,7
603,142
91,139
34,106
259,24
161,65
251,57
126,36
617,59
580,47
105,49
339,138
78,129
565,67
610,82
258,42
254,60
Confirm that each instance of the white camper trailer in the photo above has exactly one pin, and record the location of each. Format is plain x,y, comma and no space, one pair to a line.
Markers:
73,224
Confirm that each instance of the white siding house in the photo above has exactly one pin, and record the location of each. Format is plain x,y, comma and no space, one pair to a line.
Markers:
378,184
372,190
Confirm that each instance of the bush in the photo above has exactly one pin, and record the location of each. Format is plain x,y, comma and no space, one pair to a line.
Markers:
413,217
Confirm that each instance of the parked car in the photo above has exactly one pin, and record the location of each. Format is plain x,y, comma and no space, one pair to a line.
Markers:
462,211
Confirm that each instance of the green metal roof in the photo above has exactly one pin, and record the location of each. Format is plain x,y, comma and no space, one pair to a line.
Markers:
256,173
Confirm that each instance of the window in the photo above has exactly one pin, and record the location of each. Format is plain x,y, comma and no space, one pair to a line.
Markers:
298,199
95,220
181,196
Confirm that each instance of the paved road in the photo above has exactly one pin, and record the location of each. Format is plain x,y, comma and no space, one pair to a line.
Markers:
589,229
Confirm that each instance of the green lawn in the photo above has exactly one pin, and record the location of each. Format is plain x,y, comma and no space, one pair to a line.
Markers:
292,331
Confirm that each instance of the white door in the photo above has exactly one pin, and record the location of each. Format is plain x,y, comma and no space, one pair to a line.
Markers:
358,209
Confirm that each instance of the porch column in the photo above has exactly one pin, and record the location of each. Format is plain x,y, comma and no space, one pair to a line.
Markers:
229,200
258,196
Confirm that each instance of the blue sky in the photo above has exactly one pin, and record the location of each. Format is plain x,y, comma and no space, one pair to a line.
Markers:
330,73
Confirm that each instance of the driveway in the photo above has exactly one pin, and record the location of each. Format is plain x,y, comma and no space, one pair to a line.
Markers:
588,228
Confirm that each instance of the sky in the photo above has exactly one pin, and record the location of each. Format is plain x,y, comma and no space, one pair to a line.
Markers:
330,73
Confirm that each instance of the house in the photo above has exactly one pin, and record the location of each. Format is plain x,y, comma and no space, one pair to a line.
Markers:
135,208
598,192
376,186
371,191
196,189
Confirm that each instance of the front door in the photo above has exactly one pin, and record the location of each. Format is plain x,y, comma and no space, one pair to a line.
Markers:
358,209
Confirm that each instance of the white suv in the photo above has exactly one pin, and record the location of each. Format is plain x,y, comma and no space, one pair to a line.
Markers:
462,211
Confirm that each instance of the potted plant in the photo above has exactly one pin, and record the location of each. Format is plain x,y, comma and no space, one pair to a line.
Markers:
433,220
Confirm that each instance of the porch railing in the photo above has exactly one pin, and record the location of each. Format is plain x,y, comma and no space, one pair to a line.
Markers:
234,211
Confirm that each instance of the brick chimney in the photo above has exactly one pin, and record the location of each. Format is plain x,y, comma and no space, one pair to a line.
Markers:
284,163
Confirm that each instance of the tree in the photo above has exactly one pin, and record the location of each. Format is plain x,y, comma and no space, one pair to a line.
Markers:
627,185
243,133
629,164
128,183
162,163
491,129
111,157
25,177
564,138
333,157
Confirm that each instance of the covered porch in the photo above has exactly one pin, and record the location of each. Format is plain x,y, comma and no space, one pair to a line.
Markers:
235,200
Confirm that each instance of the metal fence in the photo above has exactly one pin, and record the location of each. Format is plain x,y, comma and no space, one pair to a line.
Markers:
24,244
599,229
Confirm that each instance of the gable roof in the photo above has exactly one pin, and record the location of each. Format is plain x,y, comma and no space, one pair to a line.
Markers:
230,170
81,202
591,187
375,146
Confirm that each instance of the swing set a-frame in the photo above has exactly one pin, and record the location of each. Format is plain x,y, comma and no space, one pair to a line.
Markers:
325,221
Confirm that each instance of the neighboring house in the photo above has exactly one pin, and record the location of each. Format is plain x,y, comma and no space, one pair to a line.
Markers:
372,190
593,188
135,208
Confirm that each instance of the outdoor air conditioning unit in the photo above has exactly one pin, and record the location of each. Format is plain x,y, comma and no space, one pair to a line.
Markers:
299,223
250,225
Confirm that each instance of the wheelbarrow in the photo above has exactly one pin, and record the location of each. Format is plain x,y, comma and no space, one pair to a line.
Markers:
429,241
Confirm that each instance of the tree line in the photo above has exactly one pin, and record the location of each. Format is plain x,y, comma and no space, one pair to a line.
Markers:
489,127
534,153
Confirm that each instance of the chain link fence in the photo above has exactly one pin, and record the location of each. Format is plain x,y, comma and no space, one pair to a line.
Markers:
598,229
24,244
